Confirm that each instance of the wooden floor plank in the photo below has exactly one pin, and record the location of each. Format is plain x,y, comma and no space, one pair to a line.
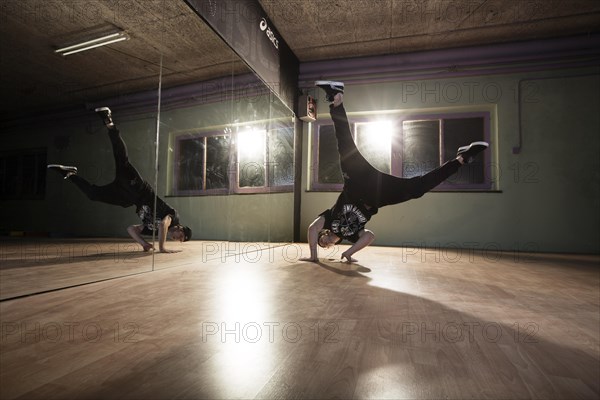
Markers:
400,324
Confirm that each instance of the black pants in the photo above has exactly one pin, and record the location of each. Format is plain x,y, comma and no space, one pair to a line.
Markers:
127,187
365,183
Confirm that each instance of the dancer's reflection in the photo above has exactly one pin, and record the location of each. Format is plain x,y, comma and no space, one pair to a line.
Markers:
128,189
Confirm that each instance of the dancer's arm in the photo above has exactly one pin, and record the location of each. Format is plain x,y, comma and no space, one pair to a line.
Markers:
163,228
365,238
135,231
313,236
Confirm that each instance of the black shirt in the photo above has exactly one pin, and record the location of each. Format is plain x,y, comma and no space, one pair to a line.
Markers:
144,204
347,217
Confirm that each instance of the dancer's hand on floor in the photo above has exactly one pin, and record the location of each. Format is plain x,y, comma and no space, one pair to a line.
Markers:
169,251
147,247
348,257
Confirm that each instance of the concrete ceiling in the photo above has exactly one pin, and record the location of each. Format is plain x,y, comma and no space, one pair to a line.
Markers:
34,79
329,29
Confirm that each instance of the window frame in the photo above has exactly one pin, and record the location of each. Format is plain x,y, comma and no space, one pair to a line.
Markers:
267,168
315,185
396,162
176,170
446,186
233,170
236,162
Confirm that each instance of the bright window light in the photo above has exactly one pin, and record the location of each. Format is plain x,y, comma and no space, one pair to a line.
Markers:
374,140
376,135
251,142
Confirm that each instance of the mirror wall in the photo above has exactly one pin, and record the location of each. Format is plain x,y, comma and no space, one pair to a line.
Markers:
199,127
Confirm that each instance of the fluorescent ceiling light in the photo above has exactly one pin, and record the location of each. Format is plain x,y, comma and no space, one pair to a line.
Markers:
90,44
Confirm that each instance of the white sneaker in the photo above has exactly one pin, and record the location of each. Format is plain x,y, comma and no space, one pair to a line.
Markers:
331,88
106,116
469,152
65,170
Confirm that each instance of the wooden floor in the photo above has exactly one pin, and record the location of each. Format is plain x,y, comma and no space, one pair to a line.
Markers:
401,324
34,265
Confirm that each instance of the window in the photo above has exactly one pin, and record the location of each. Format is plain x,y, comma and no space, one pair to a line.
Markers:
265,159
374,139
252,153
23,174
203,164
327,172
243,159
280,155
406,146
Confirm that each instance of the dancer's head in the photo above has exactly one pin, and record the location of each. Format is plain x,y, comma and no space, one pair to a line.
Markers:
180,233
327,238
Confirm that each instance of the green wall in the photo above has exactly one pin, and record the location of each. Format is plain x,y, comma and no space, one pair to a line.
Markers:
546,198
66,211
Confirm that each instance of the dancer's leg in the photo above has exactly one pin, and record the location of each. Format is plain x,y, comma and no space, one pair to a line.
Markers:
355,167
378,189
396,190
110,194
371,186
124,171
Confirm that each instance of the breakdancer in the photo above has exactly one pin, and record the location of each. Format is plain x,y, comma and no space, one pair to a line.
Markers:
367,189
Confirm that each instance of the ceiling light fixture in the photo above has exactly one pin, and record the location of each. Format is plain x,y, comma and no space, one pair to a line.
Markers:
90,44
